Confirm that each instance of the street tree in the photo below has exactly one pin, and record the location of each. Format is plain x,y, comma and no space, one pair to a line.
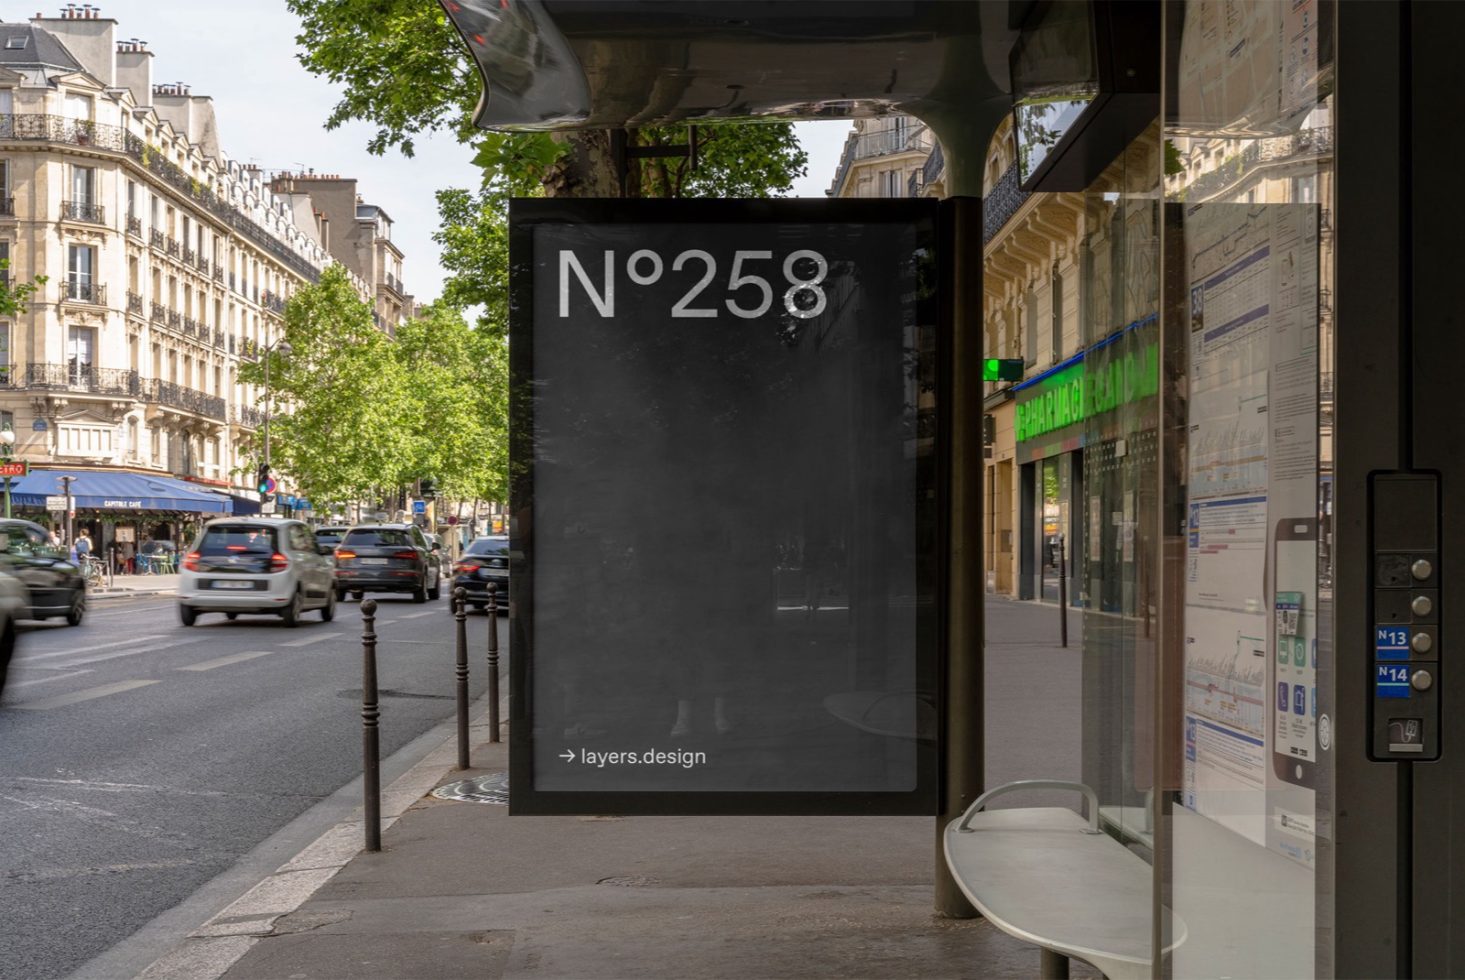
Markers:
14,296
341,423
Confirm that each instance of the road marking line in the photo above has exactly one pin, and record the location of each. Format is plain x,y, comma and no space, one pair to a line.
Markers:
430,612
97,646
226,661
76,697
124,653
47,680
312,639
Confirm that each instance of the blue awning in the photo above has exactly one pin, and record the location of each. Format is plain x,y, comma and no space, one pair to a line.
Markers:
103,490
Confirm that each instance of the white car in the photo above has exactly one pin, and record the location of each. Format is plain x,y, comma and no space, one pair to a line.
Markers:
256,565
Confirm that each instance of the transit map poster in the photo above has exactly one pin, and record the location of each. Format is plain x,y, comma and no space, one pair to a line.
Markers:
1251,595
724,546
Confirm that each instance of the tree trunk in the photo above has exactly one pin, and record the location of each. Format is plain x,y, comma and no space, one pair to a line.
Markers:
588,169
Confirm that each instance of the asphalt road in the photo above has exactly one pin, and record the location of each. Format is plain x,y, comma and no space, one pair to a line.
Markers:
140,758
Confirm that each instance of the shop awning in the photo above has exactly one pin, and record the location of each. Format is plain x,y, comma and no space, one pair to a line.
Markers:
103,490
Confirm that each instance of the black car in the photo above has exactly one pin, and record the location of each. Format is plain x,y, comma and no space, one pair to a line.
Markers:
330,534
54,584
485,560
387,558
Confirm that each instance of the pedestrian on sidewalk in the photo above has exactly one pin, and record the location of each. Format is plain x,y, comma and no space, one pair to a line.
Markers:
83,545
128,555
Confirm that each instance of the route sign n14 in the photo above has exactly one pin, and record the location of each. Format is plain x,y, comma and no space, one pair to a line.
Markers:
724,433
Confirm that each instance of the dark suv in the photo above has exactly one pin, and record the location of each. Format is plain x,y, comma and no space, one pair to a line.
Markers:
485,560
53,583
387,558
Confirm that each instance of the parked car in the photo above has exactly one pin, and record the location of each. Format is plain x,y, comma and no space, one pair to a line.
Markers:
331,534
485,560
54,584
256,565
12,607
387,558
435,542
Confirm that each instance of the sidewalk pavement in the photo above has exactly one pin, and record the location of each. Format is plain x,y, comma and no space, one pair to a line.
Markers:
124,586
463,890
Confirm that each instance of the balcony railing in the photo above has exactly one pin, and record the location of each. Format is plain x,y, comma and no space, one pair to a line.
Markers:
395,284
156,239
172,247
134,226
59,129
882,142
1305,144
251,418
76,376
85,291
84,211
160,313
175,319
190,326
272,301
176,396
134,303
1002,202
935,166
202,264
219,338
218,272
7,206
189,255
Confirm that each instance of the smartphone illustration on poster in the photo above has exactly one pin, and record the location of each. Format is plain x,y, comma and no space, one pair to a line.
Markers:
1294,650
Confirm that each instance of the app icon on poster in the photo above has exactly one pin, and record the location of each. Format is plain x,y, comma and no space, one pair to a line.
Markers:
1299,700
1282,692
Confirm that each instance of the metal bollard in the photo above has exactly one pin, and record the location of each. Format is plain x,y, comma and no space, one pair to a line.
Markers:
460,613
493,663
370,746
1062,594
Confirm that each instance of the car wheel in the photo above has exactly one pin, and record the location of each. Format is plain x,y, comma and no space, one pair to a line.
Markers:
340,595
7,648
357,595
328,611
187,615
479,606
419,594
231,616
291,613
436,592
77,612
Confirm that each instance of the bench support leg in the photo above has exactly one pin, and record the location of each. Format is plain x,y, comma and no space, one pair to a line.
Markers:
1051,965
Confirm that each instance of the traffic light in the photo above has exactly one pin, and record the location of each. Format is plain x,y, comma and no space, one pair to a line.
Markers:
264,482
1002,369
428,487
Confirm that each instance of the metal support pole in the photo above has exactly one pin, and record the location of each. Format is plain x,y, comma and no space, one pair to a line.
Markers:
370,746
460,613
66,488
7,498
1051,965
493,663
1062,594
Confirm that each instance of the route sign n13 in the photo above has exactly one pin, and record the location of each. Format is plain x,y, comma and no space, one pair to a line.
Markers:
724,445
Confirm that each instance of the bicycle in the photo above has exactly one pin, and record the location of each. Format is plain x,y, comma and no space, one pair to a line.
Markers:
94,571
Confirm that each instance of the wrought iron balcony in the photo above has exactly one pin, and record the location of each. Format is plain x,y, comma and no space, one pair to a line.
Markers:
1002,202
7,206
134,303
85,291
134,226
219,338
156,239
160,313
190,326
77,376
250,418
272,301
202,264
177,396
172,247
88,211
175,320
189,255
218,272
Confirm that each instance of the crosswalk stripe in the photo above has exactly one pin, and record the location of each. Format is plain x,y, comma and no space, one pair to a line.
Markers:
75,650
114,655
12,685
318,638
75,697
226,661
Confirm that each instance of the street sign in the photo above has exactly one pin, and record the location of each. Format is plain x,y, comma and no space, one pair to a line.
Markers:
56,504
14,469
39,425
419,507
684,418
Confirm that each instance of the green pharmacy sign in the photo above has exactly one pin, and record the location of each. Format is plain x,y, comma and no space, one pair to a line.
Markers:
1077,391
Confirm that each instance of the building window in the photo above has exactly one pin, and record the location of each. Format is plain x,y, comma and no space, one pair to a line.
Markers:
80,261
83,183
1057,315
7,201
81,345
4,353
78,106
1304,189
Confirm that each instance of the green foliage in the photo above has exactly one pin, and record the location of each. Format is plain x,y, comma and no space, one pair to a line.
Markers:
734,160
340,402
13,298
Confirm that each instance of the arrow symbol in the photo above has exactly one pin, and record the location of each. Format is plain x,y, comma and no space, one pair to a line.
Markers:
568,756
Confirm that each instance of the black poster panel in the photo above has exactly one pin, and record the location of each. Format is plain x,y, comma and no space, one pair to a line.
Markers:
725,541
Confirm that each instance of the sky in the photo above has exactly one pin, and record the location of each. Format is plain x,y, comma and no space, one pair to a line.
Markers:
271,113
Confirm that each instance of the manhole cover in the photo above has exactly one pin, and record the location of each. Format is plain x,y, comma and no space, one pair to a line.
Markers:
493,788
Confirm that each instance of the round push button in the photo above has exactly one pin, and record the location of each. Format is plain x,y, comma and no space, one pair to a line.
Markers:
1422,605
1422,680
1422,643
1421,569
